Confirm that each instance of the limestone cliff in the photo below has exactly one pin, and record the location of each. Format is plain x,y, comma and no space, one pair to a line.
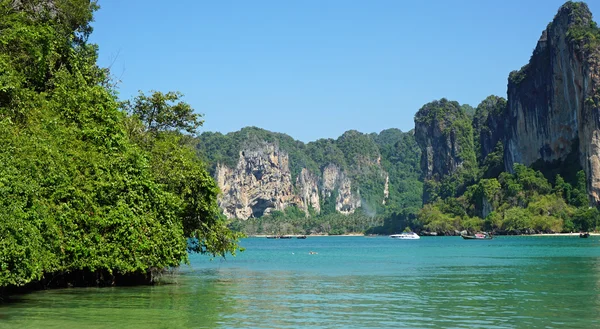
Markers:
444,133
261,183
439,133
488,123
386,189
308,187
553,101
334,179
259,171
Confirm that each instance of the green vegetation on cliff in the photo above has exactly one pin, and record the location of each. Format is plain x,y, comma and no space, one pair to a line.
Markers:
471,197
523,202
582,28
550,195
444,133
84,191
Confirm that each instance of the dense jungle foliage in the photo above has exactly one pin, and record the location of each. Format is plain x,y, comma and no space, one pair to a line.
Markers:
92,191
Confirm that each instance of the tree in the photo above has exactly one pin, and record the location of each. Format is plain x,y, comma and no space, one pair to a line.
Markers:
516,219
174,164
586,219
164,112
579,197
82,203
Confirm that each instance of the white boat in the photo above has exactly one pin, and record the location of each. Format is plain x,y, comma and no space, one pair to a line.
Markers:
405,236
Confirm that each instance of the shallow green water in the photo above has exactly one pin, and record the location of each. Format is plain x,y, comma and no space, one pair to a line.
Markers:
353,282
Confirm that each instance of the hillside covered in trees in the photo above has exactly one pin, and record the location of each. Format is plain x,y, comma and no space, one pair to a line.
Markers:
383,170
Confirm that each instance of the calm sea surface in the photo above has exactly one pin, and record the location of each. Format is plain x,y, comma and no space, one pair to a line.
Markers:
352,282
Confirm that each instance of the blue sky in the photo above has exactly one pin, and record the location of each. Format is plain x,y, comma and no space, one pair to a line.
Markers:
316,68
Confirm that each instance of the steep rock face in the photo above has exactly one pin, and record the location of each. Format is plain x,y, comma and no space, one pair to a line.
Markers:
331,174
386,189
334,179
488,123
259,184
439,138
444,134
553,101
308,186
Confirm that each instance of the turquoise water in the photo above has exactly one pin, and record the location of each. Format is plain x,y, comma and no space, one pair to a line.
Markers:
352,282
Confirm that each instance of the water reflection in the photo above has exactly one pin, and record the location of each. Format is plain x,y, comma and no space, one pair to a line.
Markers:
514,282
182,305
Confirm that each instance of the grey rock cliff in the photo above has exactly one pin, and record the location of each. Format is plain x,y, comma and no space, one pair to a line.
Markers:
488,124
553,101
261,183
444,134
334,179
308,186
438,138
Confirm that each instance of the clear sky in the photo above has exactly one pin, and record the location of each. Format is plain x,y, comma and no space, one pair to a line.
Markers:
316,68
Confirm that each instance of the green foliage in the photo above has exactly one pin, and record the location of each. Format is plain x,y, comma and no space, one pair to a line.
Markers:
163,112
522,202
586,219
582,31
578,195
175,165
80,190
282,223
325,152
359,149
488,124
468,109
493,164
516,77
516,219
435,220
400,156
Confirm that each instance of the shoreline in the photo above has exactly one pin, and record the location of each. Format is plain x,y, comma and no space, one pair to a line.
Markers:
562,234
306,235
361,234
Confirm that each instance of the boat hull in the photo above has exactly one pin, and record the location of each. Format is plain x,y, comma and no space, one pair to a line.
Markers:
405,236
472,237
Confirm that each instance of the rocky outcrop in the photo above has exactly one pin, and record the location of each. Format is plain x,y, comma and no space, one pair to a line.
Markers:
553,102
260,183
444,134
488,123
308,186
386,189
442,131
331,175
334,179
